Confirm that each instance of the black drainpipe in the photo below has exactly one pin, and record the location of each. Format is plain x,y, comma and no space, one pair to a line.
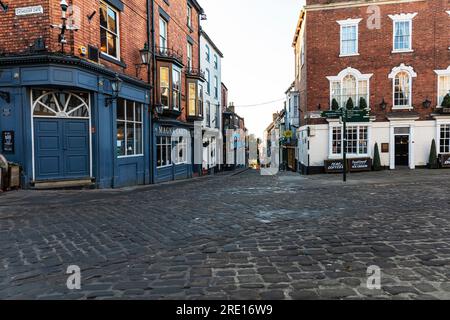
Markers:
151,77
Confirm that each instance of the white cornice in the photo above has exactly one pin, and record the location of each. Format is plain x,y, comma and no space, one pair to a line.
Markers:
349,21
444,72
354,72
400,68
359,3
402,16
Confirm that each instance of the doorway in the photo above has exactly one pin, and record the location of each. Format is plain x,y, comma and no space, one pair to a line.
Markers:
402,150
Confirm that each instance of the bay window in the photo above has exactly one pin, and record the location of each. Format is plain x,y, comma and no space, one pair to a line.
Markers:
349,84
109,30
129,128
169,86
192,99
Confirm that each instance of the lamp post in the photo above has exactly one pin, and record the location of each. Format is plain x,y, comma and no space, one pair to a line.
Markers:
63,26
116,86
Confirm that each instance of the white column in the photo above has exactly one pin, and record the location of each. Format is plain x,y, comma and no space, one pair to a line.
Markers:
391,148
412,147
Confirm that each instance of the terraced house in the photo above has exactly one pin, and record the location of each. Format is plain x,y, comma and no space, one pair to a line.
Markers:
100,92
391,57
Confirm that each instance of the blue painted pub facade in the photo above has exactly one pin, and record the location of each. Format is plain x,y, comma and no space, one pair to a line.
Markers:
66,126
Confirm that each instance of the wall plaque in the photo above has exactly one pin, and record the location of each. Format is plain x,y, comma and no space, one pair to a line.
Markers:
385,147
8,141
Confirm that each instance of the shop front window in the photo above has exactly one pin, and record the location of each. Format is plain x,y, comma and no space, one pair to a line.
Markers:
445,138
357,140
129,128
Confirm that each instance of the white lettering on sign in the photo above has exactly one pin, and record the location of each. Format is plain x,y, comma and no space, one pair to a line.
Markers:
29,10
359,164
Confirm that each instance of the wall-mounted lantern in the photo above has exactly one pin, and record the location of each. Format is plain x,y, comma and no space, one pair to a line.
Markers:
145,55
427,103
383,105
116,86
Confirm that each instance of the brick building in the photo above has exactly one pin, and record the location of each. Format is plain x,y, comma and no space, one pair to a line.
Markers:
78,107
179,88
392,56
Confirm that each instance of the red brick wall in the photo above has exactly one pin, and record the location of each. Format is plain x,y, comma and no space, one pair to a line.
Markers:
177,37
431,40
22,31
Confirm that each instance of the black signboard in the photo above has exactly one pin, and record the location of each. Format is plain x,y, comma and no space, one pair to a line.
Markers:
334,166
445,160
360,164
8,141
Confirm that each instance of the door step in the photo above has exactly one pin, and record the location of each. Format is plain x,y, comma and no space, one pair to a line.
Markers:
64,184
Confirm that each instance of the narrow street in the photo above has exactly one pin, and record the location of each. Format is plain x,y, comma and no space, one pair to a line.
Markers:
245,236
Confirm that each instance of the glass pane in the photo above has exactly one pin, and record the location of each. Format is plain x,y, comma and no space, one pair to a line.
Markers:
138,111
138,136
130,139
112,21
130,111
103,41
103,16
112,45
120,138
192,98
164,86
120,109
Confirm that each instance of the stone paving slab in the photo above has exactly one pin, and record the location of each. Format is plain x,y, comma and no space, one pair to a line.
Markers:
233,237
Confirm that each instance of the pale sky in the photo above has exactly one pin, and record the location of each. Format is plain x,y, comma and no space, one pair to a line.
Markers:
255,37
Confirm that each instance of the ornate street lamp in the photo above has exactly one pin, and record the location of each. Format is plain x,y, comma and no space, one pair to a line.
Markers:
145,55
116,86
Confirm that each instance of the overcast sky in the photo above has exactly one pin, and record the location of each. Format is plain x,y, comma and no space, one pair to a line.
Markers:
255,37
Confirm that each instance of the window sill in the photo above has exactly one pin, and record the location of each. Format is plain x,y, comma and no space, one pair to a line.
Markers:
349,55
402,51
402,108
130,156
112,60
166,166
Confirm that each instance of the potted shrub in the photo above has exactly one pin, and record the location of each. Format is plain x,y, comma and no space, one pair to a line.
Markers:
334,104
362,103
433,160
446,104
350,105
376,159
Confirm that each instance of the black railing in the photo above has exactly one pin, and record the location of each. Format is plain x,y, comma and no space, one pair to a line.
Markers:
169,53
195,73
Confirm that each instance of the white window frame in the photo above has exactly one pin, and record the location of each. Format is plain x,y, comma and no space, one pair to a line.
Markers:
344,24
165,35
358,76
441,73
412,74
208,53
189,16
439,138
176,149
126,122
168,142
107,30
332,126
402,17
216,62
190,49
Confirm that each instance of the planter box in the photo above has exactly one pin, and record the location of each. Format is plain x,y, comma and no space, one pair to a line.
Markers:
334,166
445,160
360,164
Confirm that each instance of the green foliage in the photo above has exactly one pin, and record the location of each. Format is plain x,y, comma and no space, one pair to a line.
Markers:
433,160
376,159
446,102
350,105
334,104
362,103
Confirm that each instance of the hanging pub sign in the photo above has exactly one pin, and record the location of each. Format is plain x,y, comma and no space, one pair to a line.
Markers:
334,166
8,141
360,164
445,160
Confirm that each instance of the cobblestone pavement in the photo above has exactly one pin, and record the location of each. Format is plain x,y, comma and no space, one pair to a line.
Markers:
235,237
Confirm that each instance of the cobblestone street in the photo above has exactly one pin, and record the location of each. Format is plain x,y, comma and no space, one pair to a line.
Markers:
233,237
